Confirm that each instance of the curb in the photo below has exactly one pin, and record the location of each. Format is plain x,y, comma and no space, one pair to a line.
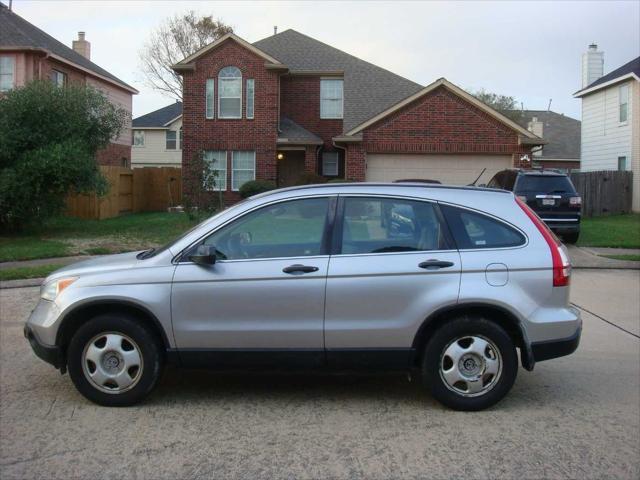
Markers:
22,283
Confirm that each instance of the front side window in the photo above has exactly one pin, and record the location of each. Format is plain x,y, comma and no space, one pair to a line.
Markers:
622,163
250,99
7,68
623,95
138,138
472,230
58,78
330,164
209,97
230,93
215,170
170,137
243,168
382,225
288,229
331,98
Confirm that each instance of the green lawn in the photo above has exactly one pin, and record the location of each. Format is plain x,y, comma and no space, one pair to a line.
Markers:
64,236
27,272
619,231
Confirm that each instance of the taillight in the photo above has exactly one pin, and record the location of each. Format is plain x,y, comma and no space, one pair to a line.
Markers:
561,264
575,201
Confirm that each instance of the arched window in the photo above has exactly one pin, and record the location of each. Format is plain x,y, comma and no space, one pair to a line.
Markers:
230,93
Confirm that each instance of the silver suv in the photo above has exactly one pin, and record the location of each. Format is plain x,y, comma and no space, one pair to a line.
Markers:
445,281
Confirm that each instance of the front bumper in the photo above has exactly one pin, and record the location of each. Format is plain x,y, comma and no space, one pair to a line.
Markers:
556,348
49,353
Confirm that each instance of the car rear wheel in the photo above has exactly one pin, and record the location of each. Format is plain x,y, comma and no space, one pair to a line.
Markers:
113,360
470,363
571,237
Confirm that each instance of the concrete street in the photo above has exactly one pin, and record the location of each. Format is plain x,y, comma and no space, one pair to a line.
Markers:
577,416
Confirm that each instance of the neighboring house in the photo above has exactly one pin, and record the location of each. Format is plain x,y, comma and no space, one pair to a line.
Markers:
27,53
562,134
157,138
611,118
289,104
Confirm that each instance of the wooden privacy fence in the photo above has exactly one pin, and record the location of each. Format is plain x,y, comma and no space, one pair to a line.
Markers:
604,192
130,190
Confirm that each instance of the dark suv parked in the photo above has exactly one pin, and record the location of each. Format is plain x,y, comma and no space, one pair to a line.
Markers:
549,193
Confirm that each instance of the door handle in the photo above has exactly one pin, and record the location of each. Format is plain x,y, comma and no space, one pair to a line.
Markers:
435,264
299,268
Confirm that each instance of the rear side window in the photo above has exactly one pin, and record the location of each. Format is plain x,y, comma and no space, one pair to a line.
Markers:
473,230
544,184
381,225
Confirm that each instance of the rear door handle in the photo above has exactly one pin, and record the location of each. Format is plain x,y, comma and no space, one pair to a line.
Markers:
299,268
435,264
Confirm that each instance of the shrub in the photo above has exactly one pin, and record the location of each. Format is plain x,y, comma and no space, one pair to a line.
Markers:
339,180
310,178
254,187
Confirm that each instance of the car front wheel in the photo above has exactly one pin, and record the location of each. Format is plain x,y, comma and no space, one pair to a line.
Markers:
470,363
114,360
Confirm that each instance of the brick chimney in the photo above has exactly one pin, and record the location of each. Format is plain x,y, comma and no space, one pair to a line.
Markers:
82,46
592,65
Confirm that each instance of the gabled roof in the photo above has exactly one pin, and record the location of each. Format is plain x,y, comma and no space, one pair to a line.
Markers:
628,70
368,89
18,34
293,134
443,82
160,118
561,132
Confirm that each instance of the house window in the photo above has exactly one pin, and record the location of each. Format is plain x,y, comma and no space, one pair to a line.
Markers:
58,78
170,139
243,168
209,97
622,163
623,93
330,164
230,93
7,68
250,101
138,138
331,98
180,138
215,174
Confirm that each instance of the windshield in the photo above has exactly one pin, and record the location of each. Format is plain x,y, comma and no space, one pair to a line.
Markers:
546,184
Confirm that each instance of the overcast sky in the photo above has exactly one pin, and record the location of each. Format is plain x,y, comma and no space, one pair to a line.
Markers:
530,50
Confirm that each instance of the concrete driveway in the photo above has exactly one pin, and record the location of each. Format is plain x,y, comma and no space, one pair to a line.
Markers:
577,417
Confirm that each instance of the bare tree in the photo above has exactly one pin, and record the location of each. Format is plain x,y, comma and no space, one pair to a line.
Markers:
508,106
174,40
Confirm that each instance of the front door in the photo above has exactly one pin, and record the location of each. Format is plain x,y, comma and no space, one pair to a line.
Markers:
290,168
394,265
262,302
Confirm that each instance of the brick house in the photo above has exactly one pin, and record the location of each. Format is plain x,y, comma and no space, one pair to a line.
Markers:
28,53
289,104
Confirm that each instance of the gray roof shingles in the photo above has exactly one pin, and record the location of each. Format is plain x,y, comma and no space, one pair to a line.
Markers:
368,89
562,133
631,67
17,32
294,133
158,118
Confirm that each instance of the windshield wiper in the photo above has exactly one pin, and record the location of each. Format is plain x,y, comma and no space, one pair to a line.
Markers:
146,254
556,191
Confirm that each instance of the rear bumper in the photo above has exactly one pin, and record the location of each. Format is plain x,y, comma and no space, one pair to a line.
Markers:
562,225
49,353
556,348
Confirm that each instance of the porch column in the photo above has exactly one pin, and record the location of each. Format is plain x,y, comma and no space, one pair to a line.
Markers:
310,161
355,162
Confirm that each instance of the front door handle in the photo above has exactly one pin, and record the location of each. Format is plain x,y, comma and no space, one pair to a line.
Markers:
435,264
299,269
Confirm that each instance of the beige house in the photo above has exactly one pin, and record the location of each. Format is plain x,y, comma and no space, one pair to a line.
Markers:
611,118
157,138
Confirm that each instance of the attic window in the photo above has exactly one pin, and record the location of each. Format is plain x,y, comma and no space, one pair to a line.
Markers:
331,97
230,93
623,93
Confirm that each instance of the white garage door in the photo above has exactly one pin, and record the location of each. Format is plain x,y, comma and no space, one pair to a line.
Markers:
448,169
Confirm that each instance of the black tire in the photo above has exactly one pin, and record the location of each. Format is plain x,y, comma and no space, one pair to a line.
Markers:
150,353
457,328
571,237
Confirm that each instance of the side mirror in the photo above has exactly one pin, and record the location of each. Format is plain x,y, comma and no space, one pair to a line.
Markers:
204,255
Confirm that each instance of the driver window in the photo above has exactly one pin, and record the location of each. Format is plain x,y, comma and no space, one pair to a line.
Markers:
379,225
287,229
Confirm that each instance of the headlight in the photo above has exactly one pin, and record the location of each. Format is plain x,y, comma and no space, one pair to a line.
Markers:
51,290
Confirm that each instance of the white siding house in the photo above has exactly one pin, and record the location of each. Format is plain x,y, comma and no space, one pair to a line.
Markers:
157,138
611,124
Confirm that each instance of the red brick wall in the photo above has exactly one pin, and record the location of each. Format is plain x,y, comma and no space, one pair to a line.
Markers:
115,155
258,134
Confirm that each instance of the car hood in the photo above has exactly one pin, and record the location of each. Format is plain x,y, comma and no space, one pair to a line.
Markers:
100,264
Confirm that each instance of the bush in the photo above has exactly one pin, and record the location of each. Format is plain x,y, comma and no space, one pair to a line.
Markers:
49,137
254,187
338,180
310,178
